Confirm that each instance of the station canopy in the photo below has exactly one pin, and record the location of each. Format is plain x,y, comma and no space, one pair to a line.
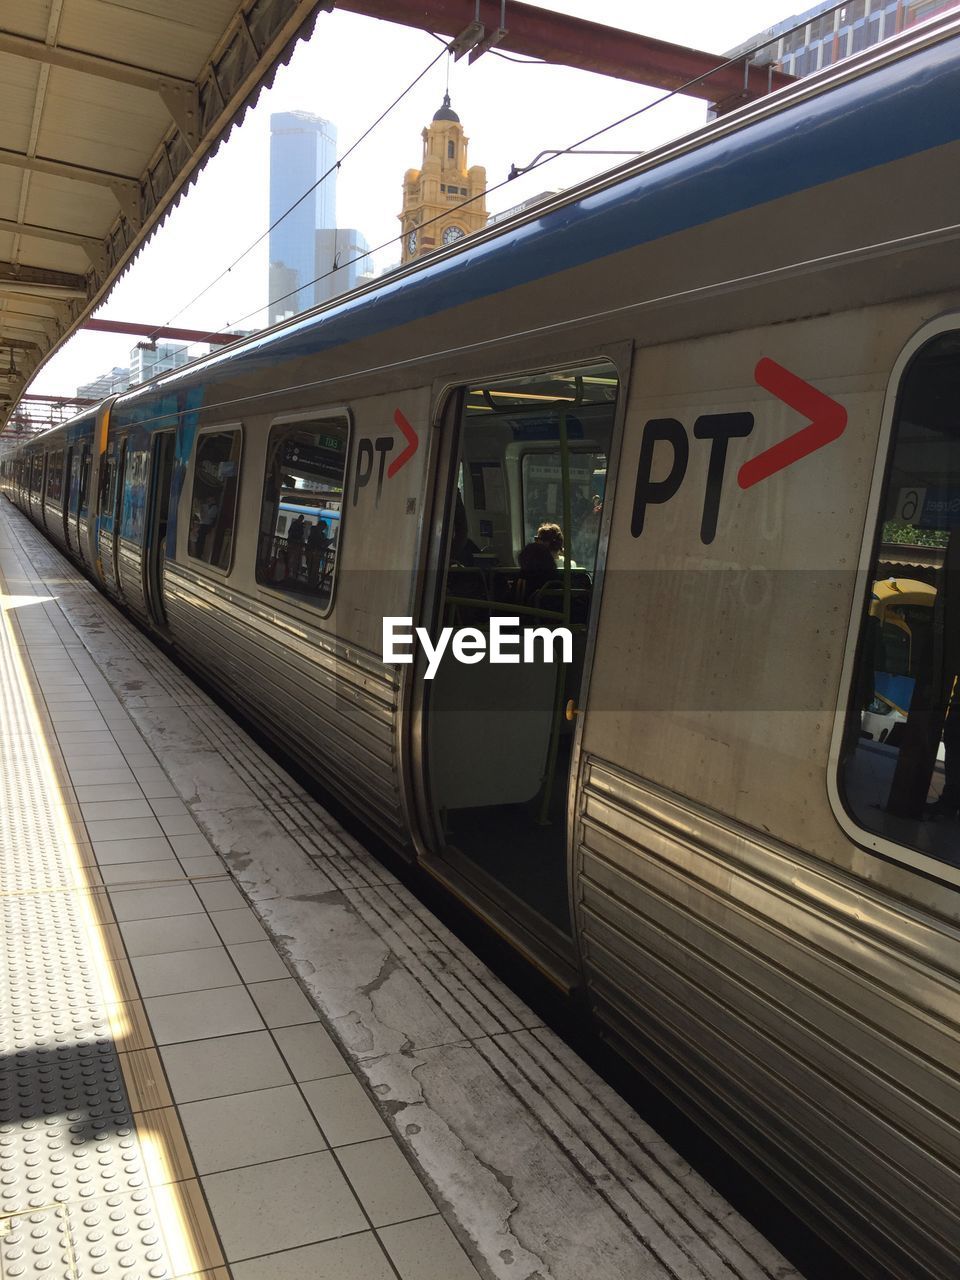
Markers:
110,109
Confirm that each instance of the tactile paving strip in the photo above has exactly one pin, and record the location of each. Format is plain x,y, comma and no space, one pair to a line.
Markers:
75,1200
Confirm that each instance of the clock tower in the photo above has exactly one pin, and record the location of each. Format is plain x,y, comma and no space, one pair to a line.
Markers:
438,204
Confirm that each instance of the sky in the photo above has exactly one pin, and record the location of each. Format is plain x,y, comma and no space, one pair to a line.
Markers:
349,72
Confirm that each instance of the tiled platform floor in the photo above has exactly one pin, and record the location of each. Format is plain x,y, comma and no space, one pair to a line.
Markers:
158,990
348,1094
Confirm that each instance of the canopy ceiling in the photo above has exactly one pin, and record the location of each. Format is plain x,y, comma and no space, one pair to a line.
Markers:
110,108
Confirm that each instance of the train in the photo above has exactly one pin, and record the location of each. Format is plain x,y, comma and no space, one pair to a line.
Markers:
729,371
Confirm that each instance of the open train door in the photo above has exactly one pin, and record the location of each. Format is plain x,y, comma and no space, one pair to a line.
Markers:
498,738
162,449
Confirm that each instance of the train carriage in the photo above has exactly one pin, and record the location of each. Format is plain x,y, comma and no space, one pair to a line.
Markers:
729,372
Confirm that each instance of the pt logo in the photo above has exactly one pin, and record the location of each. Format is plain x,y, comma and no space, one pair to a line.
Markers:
826,422
369,446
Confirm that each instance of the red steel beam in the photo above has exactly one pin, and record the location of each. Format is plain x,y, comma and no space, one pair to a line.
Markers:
154,331
80,400
576,42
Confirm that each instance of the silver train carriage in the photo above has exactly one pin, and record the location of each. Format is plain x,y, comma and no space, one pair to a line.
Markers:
730,372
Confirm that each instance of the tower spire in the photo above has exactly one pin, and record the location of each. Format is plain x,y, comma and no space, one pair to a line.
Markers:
443,200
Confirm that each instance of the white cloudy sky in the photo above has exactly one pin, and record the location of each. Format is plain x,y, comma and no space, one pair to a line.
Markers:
349,72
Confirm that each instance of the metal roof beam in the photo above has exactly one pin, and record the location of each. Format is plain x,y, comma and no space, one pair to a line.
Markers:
62,169
591,46
48,233
15,327
154,331
19,344
48,334
90,245
259,36
88,63
126,190
18,278
81,400
180,97
41,311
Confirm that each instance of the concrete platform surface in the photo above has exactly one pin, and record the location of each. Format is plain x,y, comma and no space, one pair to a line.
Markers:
233,1043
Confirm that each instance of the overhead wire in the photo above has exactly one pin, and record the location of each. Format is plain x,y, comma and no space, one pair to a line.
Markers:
743,56
323,177
733,60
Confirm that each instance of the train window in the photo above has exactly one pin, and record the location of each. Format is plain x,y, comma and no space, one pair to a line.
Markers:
213,505
134,499
543,498
36,473
108,475
302,505
55,478
900,772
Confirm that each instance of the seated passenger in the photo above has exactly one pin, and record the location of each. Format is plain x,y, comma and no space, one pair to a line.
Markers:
538,561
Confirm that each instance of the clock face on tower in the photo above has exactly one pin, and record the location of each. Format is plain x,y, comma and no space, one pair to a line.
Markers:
412,242
452,234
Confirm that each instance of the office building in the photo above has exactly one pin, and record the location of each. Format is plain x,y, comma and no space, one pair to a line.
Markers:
303,148
148,359
108,384
807,42
341,261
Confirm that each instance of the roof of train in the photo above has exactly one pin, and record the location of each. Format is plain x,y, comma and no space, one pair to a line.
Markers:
891,102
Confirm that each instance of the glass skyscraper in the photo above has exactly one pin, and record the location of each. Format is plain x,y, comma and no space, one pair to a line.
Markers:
303,148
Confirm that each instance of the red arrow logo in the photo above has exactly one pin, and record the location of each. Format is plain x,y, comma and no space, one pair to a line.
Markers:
413,442
827,422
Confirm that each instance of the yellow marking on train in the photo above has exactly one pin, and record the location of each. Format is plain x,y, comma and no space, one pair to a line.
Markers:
103,430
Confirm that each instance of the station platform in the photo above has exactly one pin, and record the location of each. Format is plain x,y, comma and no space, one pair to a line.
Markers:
231,1043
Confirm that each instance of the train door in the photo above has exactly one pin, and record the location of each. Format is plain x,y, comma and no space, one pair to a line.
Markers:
109,498
523,518
82,505
122,468
37,478
158,510
67,490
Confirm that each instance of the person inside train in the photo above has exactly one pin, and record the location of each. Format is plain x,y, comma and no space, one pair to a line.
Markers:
295,537
318,540
538,561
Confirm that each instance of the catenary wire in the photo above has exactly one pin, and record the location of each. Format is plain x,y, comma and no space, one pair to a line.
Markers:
742,56
323,177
